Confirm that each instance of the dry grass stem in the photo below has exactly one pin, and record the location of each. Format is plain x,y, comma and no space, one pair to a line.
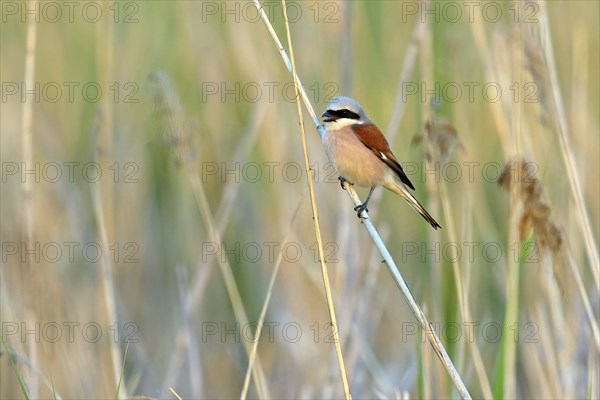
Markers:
560,119
168,104
313,204
265,306
410,58
102,192
106,276
27,187
426,327
159,210
440,141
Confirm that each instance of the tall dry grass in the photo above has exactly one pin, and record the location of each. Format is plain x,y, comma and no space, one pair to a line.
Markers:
178,198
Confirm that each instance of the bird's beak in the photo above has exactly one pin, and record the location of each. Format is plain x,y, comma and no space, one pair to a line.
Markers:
328,116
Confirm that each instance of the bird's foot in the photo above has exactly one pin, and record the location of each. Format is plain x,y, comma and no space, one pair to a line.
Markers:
342,180
360,208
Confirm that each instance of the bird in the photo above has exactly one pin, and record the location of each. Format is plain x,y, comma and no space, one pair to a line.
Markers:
362,155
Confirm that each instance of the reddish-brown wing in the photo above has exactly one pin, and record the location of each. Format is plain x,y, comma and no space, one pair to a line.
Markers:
374,140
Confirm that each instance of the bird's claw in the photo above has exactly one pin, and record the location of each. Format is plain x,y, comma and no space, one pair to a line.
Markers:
360,208
342,180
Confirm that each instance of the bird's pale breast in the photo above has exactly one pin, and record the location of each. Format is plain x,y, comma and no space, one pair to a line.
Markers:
354,161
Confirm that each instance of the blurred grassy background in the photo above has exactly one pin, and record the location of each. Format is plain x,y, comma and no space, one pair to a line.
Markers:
186,94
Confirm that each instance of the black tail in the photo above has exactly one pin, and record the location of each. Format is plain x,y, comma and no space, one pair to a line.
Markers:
399,189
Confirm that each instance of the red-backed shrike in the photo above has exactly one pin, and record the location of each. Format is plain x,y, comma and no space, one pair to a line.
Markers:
362,155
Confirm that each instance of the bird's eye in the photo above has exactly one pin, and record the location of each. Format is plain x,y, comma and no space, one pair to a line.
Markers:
349,114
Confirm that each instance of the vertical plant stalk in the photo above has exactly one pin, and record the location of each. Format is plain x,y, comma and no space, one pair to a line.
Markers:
508,350
313,205
584,299
433,236
265,306
188,338
346,47
27,127
288,64
107,284
343,232
428,328
410,57
513,267
509,134
102,191
106,279
462,295
560,120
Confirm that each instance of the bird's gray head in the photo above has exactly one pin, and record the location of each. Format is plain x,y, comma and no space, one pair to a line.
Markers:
343,111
